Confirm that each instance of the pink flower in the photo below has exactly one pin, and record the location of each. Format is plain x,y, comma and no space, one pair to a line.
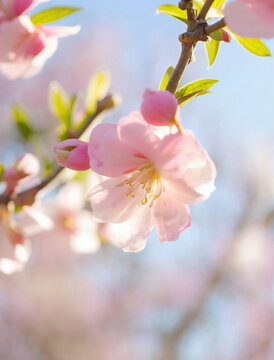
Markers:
151,180
251,18
14,246
73,225
160,108
10,9
73,154
25,167
24,48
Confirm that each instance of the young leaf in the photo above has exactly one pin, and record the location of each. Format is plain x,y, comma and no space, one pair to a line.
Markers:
193,90
174,11
212,49
166,78
53,14
21,121
97,89
217,4
59,102
255,46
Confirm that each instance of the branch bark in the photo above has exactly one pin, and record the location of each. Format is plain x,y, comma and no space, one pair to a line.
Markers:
186,51
216,26
205,9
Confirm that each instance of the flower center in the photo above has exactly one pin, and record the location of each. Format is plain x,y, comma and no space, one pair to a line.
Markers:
147,180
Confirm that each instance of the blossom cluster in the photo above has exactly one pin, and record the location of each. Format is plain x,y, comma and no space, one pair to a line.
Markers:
149,174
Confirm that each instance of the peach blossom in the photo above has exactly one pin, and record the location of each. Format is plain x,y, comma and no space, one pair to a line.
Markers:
10,9
24,168
151,181
24,48
251,18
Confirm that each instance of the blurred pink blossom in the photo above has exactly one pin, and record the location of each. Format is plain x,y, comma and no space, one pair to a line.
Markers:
24,47
15,246
73,226
150,181
251,18
24,168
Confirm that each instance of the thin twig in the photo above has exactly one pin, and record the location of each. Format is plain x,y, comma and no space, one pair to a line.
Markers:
186,51
216,26
102,105
205,9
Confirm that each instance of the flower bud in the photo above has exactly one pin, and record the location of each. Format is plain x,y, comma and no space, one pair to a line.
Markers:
226,36
73,154
160,108
25,166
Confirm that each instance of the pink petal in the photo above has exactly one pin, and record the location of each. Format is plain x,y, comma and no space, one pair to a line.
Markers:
60,31
244,21
14,252
23,52
109,201
131,235
109,156
186,168
12,35
172,218
137,134
21,6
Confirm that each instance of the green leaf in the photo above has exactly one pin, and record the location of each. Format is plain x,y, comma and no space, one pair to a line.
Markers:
97,90
59,102
166,78
217,35
174,11
21,120
255,46
212,49
193,90
2,169
218,4
53,14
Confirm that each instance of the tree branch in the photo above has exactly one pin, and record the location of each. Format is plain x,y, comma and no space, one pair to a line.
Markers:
216,26
186,51
205,9
102,105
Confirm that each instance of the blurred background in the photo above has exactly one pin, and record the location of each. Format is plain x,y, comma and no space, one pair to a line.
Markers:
207,296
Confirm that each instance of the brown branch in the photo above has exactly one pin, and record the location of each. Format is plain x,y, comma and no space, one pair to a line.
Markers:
186,51
205,9
102,105
216,26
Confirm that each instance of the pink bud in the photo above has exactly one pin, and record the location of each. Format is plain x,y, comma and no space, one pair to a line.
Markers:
226,36
73,154
160,108
25,166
